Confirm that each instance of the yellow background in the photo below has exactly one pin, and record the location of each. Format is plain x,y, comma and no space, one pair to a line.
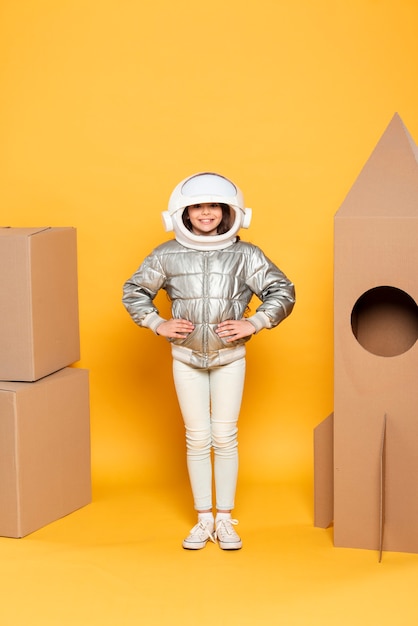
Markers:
107,104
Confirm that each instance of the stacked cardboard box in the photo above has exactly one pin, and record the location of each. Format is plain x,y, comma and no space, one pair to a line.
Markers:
45,470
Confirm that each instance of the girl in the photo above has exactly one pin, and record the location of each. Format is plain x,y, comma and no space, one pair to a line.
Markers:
210,277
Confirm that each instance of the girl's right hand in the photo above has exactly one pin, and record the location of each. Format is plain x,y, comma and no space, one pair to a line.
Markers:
175,328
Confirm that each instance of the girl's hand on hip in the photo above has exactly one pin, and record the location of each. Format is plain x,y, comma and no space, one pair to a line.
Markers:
175,328
231,330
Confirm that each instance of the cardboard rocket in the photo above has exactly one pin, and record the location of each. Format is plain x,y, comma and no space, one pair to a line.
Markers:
366,453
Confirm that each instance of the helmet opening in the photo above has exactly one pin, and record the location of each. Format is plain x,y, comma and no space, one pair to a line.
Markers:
224,226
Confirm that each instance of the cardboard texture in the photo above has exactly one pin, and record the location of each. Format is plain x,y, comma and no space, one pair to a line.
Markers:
324,473
39,329
44,450
382,489
375,351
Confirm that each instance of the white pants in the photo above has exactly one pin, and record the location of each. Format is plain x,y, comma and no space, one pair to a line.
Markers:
210,402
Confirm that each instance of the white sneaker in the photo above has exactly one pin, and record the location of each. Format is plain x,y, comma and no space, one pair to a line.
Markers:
226,535
200,535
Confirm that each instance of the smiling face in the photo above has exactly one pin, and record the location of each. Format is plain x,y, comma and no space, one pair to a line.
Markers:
205,218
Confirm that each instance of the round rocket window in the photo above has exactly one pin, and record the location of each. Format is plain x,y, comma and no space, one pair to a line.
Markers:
384,321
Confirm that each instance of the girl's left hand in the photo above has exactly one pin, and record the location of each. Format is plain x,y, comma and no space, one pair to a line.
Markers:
231,330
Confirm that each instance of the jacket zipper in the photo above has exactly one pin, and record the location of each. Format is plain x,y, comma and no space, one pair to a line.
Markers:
205,307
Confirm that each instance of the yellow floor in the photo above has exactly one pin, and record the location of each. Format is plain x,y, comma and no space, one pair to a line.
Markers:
119,562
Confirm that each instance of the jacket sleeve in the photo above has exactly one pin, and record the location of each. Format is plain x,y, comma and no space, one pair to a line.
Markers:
273,288
140,290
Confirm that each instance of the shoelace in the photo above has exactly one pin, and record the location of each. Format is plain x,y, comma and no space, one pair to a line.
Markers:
225,527
202,527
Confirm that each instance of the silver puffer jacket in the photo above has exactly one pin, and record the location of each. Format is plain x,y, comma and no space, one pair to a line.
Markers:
207,287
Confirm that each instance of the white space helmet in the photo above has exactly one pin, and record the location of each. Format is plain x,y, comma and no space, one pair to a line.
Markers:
198,189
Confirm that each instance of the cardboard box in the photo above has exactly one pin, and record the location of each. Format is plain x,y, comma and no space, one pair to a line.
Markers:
45,468
39,324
